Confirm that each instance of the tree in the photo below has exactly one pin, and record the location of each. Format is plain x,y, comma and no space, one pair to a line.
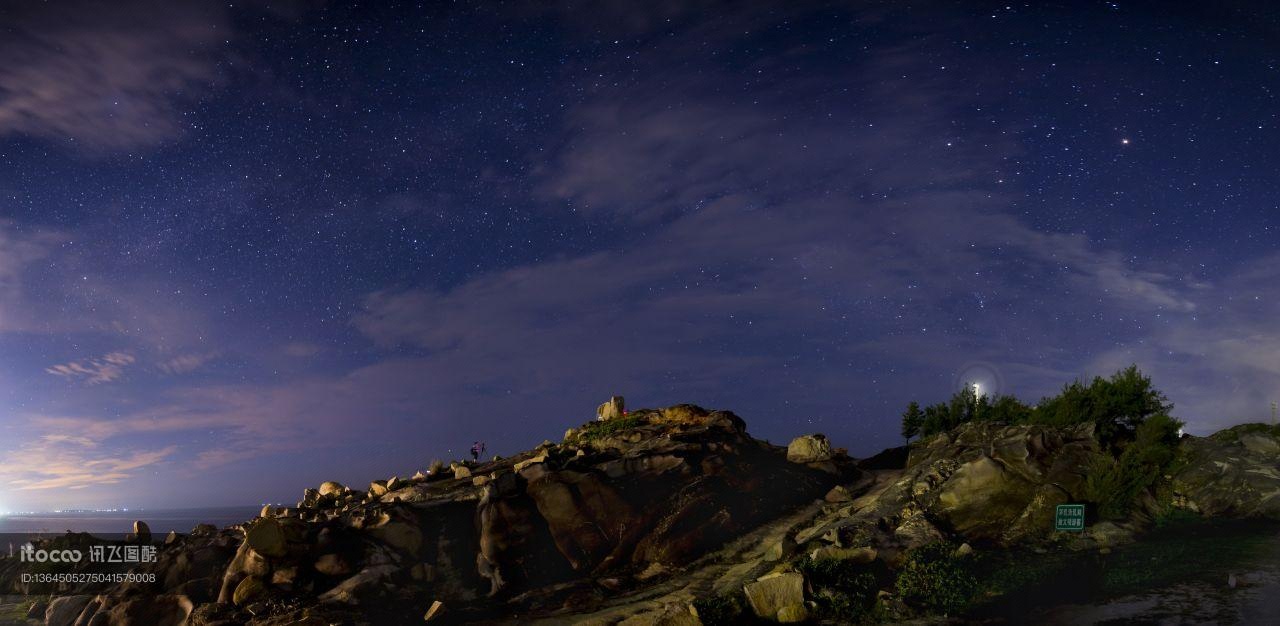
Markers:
912,420
935,419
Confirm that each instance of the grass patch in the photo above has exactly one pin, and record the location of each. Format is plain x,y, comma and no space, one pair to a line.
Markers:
601,429
936,581
13,609
719,610
1016,586
1185,548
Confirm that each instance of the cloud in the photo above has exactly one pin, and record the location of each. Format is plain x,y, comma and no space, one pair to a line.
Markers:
1221,366
108,368
19,250
106,76
302,349
186,363
55,463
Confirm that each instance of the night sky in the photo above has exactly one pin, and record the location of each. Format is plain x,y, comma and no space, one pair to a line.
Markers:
248,247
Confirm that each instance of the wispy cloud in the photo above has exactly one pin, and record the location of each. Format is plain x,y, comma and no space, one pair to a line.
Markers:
54,463
109,367
186,363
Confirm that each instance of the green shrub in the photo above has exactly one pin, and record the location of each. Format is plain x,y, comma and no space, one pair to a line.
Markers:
839,573
1113,484
718,610
936,581
1116,405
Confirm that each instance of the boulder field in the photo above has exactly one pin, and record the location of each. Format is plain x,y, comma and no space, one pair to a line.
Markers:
636,518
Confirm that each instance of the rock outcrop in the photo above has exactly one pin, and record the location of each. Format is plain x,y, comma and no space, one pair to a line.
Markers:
612,409
1233,473
809,449
630,521
615,507
984,482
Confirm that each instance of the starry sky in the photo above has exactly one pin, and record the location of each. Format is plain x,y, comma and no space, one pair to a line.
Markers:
247,247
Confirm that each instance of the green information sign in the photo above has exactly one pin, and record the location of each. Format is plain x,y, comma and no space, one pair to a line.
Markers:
1069,517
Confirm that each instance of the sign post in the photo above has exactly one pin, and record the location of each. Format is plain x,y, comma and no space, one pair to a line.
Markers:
1069,517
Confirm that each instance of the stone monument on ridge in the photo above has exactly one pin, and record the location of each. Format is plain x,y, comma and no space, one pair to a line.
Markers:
611,409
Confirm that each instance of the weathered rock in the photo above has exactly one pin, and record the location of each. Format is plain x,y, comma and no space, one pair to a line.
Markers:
160,610
171,538
775,592
809,449
793,614
612,409
141,532
838,494
670,615
435,612
1233,473
284,576
780,550
332,565
461,471
855,555
266,537
624,509
541,458
37,610
63,610
988,481
354,589
400,535
249,589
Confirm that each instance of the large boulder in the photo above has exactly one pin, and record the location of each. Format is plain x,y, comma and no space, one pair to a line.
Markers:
364,584
993,482
331,488
266,537
984,481
141,532
809,449
776,593
64,610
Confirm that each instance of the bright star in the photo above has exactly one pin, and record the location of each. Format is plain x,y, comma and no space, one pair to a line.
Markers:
1124,142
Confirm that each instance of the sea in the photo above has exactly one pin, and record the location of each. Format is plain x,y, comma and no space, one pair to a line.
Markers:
160,521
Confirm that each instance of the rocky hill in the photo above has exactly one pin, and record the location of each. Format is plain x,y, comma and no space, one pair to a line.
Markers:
671,516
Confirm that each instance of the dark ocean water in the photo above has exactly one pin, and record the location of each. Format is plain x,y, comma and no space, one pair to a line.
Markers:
161,521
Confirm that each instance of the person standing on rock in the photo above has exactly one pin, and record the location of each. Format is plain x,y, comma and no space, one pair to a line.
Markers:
477,449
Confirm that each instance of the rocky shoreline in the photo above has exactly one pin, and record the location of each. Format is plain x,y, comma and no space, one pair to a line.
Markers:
670,516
